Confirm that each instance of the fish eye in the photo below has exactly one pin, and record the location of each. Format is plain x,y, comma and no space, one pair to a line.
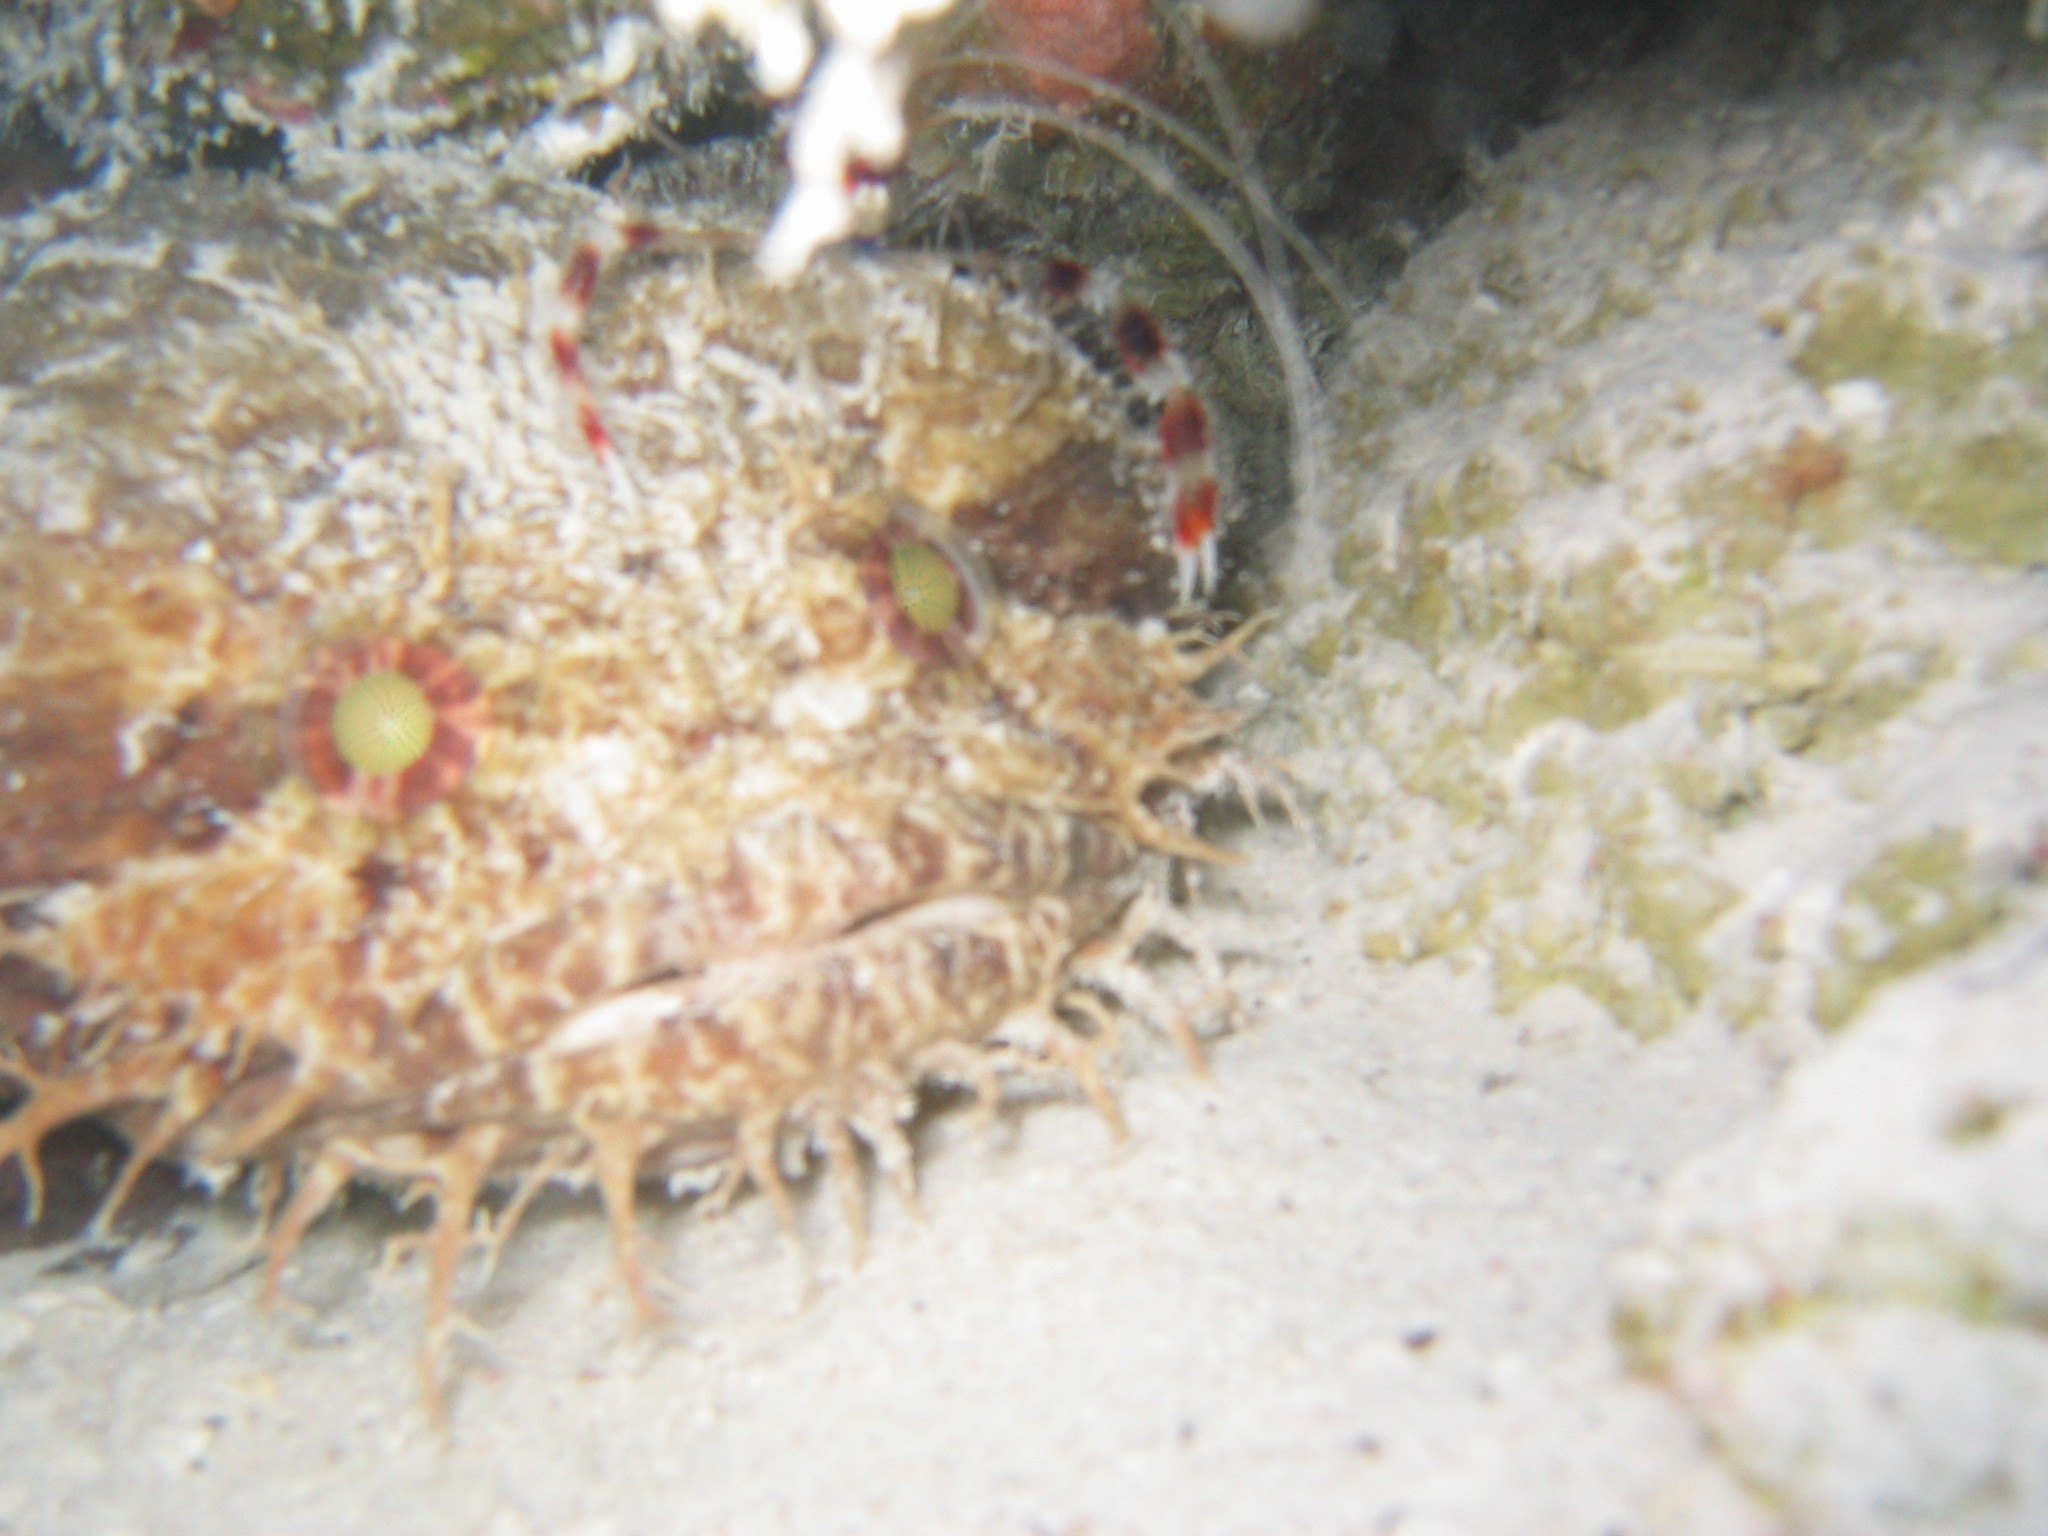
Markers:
386,726
925,585
383,722
924,590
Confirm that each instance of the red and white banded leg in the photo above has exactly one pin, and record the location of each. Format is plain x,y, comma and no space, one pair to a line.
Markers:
1160,371
567,305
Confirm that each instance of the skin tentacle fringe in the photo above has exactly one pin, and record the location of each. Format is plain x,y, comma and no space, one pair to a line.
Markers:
762,748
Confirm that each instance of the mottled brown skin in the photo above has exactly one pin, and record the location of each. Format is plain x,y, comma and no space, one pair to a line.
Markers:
67,693
732,877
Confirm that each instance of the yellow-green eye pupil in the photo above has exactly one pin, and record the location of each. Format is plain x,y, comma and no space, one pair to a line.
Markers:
926,586
383,723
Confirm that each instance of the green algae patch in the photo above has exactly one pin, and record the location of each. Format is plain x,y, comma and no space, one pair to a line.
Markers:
2024,657
1484,495
1861,699
1665,907
1825,687
1894,1260
1917,902
1357,563
1604,691
1434,594
1979,1118
1319,655
1668,906
1591,707
1446,584
1722,795
1617,644
1644,1335
1918,1263
1966,458
1449,772
1864,333
490,59
1616,302
1626,929
1605,644
301,56
1984,493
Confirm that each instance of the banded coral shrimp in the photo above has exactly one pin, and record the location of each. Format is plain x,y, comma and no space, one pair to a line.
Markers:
1029,138
992,94
1134,339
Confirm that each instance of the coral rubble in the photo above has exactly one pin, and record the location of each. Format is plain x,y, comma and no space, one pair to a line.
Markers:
1681,651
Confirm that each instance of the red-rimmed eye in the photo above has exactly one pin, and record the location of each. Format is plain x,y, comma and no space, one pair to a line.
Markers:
925,593
388,726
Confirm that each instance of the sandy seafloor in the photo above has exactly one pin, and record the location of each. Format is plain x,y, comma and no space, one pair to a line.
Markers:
1369,1278
1358,1282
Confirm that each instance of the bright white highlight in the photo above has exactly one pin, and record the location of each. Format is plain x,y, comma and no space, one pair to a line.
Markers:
1260,21
851,114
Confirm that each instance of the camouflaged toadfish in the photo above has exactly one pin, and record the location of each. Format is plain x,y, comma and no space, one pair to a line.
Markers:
723,869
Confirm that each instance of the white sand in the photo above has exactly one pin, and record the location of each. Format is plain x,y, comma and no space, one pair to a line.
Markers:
1358,1282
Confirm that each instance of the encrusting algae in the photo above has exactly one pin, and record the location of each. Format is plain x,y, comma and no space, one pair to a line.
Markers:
667,839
